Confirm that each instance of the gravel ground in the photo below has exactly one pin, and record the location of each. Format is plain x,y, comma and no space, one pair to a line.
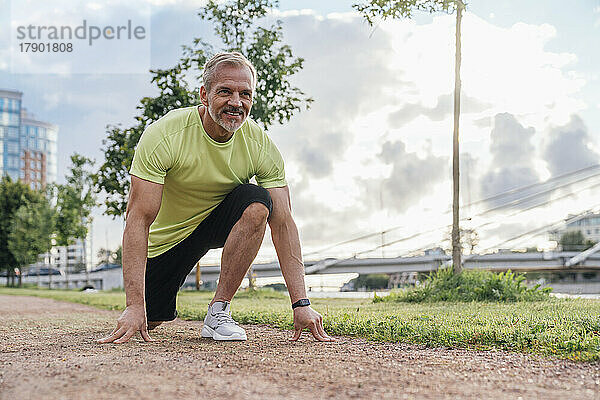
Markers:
47,351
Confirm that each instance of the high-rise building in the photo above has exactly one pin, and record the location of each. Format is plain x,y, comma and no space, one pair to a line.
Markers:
27,146
28,153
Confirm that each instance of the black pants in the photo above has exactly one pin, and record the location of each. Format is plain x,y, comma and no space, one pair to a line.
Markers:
166,273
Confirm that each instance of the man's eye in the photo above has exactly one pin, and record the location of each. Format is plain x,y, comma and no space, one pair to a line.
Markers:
246,94
225,91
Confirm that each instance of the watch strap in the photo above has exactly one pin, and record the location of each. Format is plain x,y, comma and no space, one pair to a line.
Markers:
301,303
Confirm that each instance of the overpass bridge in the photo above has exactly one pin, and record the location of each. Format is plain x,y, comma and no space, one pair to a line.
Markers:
501,261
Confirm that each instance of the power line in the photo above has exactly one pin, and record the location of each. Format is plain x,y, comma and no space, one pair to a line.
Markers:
521,188
512,203
534,195
476,227
572,219
542,228
541,204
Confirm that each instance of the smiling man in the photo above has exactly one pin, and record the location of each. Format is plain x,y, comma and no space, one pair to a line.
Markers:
190,193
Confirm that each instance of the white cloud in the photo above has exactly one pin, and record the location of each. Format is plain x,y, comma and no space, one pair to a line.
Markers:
95,6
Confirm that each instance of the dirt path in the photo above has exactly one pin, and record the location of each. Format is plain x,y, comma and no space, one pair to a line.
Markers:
47,351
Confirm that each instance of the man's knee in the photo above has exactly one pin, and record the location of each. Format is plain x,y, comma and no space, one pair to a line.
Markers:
258,194
255,215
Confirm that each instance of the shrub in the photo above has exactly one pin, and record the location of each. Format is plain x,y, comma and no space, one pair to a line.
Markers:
470,285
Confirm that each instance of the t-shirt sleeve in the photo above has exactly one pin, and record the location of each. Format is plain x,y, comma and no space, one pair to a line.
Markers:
152,158
270,172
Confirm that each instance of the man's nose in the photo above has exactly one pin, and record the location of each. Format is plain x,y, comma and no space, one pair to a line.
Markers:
234,100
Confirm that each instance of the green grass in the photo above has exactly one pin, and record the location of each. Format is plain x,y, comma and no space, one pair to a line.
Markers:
566,328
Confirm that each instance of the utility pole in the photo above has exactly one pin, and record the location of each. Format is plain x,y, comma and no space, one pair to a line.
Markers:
456,250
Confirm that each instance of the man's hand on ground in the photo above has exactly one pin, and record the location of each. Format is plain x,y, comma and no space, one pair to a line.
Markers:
131,321
306,317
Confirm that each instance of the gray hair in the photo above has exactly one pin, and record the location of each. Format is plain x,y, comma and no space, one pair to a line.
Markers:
231,58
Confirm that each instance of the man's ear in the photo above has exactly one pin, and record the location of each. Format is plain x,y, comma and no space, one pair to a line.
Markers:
203,95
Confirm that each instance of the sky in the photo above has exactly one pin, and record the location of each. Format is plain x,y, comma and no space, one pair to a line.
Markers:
374,151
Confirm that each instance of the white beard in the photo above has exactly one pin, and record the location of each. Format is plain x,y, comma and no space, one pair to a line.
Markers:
228,126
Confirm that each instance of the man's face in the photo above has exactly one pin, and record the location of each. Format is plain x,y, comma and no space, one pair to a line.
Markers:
230,97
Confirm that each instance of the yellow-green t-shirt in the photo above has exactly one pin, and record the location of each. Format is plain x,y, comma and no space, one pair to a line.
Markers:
197,172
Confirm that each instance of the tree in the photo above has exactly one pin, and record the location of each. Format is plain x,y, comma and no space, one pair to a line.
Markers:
575,241
469,239
119,255
74,204
31,231
108,256
105,255
404,9
275,99
13,195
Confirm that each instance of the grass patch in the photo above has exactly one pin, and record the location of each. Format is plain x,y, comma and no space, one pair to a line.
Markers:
469,285
566,328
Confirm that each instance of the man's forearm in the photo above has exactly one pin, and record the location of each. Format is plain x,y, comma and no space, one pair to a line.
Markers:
287,244
135,248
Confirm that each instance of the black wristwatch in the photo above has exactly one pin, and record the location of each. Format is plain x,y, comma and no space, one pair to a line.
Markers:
301,303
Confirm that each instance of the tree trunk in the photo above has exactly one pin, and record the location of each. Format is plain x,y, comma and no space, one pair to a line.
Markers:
456,248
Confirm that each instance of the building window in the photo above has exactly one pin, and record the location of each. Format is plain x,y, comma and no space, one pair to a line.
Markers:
12,147
13,162
13,119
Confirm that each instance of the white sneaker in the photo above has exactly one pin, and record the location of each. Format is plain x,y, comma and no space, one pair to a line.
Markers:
219,325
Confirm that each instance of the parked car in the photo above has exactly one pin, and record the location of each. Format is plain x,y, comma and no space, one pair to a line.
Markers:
43,271
105,267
